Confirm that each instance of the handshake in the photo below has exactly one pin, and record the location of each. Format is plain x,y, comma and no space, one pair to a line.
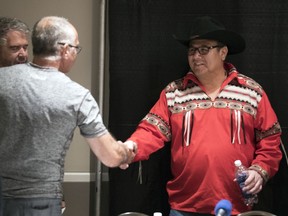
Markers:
131,150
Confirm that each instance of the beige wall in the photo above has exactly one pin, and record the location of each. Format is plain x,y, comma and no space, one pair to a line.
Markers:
84,15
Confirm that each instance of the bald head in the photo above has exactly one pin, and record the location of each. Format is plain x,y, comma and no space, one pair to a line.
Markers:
48,32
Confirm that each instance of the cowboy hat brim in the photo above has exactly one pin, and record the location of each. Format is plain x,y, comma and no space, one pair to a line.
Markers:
234,42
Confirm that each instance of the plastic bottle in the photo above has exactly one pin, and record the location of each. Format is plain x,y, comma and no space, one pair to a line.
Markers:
157,214
241,174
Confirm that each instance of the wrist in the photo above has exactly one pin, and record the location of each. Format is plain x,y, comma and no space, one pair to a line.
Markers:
263,173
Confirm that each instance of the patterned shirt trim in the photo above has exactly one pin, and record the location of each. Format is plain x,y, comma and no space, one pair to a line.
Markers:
242,93
275,129
156,120
247,104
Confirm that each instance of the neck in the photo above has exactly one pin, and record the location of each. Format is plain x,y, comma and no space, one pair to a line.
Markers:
212,82
46,62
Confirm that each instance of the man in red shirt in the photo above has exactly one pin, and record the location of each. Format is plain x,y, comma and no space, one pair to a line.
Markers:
212,116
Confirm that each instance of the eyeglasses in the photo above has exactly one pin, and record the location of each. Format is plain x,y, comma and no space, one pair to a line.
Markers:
204,50
78,48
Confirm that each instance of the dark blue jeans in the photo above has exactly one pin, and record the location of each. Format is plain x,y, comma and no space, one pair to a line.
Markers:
31,207
182,213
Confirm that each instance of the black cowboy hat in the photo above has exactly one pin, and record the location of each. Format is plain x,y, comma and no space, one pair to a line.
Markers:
209,28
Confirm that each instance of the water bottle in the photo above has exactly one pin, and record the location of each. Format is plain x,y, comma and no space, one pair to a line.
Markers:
241,174
157,214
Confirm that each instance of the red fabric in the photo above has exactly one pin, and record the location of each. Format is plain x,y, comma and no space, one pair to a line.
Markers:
222,131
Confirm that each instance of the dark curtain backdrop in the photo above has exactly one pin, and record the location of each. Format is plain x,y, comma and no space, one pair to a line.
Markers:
144,58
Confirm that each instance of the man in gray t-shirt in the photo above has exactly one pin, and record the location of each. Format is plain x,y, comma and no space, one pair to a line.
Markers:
40,107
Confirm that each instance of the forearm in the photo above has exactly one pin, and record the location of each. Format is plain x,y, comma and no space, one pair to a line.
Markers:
268,156
110,152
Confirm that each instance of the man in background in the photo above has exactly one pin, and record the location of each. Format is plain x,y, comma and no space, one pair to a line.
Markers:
40,107
13,48
13,41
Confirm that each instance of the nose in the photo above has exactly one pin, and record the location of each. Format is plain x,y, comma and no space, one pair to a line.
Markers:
22,55
22,51
196,55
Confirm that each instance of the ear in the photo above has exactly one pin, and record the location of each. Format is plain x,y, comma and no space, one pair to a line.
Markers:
64,51
224,52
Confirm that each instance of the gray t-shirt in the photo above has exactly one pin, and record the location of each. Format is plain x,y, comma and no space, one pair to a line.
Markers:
39,111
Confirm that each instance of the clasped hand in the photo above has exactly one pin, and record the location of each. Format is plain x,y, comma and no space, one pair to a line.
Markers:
131,152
